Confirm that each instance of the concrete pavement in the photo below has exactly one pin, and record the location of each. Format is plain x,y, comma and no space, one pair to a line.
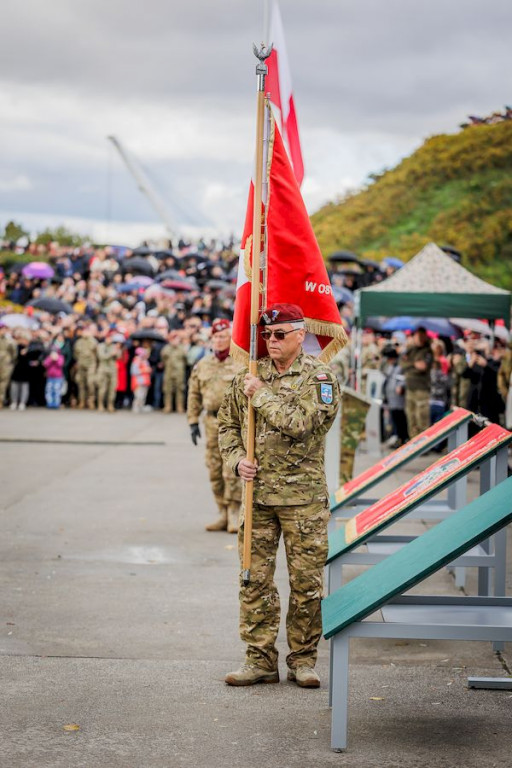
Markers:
119,615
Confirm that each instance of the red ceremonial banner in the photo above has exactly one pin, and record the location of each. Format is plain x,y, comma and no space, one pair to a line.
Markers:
295,271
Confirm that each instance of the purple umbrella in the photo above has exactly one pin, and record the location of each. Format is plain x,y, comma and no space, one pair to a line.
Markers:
39,270
142,280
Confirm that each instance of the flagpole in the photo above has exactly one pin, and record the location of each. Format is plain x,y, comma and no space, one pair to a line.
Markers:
261,71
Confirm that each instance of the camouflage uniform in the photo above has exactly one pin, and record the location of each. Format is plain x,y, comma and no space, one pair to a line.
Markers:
370,361
294,411
207,385
85,355
108,354
8,354
354,409
175,364
417,388
460,384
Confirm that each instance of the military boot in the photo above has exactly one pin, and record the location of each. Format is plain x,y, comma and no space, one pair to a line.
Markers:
101,408
167,404
305,677
91,404
222,522
233,510
250,674
111,409
81,405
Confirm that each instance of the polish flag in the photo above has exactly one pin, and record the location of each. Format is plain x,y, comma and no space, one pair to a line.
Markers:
278,86
295,272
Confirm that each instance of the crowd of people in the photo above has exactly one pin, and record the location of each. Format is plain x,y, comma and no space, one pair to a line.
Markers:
107,329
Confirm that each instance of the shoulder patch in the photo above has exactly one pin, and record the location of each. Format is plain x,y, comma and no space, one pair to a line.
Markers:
326,394
322,377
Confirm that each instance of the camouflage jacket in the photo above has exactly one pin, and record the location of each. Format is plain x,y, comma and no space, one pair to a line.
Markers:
107,356
174,360
294,411
207,384
84,351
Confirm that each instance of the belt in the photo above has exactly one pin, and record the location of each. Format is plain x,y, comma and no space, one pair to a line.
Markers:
212,413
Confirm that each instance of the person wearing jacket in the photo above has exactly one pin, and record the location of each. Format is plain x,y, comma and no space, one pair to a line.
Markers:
54,366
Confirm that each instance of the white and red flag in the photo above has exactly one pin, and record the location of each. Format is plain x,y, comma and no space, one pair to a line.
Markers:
278,87
293,271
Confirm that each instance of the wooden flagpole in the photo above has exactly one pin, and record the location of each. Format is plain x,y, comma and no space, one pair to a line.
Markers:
261,71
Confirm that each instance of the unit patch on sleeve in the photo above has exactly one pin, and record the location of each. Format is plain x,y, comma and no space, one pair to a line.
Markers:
326,393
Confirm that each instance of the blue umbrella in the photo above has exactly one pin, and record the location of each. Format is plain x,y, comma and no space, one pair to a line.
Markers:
437,325
342,295
392,261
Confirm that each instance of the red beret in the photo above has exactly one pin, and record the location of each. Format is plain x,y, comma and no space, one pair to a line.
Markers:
220,324
281,313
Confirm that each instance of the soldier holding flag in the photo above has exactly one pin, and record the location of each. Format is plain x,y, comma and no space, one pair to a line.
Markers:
295,398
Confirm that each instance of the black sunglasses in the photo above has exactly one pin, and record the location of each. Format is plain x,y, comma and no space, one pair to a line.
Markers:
279,335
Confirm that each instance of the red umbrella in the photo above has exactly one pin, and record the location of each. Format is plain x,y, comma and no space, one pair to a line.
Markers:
178,285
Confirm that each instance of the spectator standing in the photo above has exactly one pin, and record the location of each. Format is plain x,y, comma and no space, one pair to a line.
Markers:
416,363
54,365
140,371
505,384
440,382
20,386
394,397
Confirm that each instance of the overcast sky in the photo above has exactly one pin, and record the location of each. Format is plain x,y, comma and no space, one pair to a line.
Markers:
175,82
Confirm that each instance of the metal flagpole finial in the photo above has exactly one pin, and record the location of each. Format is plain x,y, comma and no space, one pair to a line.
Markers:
262,53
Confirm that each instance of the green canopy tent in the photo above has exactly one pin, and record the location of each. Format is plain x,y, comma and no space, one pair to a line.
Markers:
432,284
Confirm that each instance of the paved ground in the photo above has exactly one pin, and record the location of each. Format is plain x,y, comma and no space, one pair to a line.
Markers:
119,615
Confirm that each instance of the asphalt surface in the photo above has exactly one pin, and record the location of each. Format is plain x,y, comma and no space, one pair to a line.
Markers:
119,622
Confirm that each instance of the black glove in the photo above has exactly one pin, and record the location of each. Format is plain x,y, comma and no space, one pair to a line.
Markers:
195,432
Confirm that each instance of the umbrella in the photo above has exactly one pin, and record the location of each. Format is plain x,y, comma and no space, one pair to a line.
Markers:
157,290
138,266
216,284
179,285
165,253
342,295
142,250
38,269
340,257
439,325
129,287
53,306
453,252
391,261
478,326
19,321
142,280
171,274
147,334
370,263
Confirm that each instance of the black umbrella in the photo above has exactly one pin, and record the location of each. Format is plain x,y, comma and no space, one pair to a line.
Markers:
142,250
341,257
453,252
138,266
165,253
147,334
220,284
174,274
370,263
53,306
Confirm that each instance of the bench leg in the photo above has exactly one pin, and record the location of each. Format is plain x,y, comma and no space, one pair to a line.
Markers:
339,685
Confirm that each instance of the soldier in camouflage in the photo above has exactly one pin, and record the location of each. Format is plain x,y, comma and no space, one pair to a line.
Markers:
8,354
208,382
84,353
295,398
354,409
174,358
109,353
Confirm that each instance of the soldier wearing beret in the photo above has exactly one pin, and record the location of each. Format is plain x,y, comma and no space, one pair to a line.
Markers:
295,398
210,378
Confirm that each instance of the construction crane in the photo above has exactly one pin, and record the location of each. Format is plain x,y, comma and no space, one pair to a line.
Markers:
144,185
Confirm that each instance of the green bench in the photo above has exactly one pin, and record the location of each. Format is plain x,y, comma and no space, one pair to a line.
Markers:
488,450
345,612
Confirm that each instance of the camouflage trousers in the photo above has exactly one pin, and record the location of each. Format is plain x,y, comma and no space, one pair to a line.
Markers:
304,529
5,377
353,422
417,410
226,486
85,377
107,386
174,387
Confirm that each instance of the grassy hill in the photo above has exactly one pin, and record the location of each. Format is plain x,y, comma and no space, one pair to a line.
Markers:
455,189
